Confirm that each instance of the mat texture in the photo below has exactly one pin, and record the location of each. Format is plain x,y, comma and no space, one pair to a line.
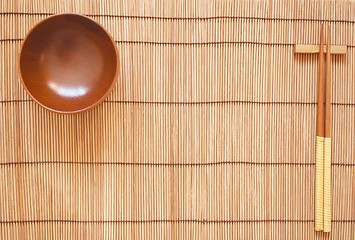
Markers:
209,132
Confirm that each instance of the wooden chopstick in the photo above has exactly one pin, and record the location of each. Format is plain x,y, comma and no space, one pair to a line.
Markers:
319,184
327,142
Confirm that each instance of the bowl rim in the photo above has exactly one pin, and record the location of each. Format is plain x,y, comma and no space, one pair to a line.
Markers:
114,80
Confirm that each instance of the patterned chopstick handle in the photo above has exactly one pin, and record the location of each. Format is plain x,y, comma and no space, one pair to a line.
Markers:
327,184
319,184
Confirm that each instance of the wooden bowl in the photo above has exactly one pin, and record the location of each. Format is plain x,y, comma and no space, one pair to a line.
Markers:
68,63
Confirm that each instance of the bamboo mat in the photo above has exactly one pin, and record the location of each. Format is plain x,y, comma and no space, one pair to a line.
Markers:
208,134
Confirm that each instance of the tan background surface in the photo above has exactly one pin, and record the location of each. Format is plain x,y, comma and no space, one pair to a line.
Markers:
208,134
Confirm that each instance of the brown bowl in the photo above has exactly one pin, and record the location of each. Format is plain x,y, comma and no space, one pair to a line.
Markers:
68,63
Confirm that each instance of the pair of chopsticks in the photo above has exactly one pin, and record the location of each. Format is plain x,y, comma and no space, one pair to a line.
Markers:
323,141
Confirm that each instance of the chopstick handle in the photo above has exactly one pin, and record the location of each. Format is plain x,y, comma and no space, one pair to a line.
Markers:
327,184
319,183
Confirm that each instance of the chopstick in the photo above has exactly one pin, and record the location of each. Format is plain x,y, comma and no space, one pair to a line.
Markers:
327,142
319,184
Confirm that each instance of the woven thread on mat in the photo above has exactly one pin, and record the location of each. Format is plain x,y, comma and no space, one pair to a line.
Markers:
327,184
318,215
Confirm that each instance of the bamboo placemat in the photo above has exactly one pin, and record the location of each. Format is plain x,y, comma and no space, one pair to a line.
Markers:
208,134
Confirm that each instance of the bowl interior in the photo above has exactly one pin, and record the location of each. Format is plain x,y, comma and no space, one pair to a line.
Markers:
68,63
